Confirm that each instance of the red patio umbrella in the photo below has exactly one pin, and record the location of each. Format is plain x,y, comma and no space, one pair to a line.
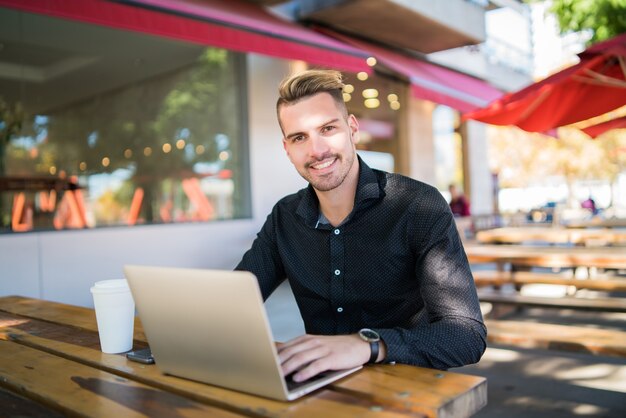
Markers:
600,128
594,86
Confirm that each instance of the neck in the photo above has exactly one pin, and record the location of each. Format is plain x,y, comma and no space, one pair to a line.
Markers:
337,204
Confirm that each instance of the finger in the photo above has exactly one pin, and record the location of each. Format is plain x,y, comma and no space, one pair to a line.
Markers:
303,359
313,369
291,349
295,341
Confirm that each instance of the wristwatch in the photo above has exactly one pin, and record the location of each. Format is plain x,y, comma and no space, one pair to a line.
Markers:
373,338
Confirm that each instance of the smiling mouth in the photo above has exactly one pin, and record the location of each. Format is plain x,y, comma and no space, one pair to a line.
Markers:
323,165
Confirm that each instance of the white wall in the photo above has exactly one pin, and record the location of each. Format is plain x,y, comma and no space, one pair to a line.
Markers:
62,265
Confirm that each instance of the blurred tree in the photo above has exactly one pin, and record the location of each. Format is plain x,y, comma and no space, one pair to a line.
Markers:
605,18
11,119
572,156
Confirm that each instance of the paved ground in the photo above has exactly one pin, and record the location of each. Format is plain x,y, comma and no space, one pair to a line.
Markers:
538,383
522,383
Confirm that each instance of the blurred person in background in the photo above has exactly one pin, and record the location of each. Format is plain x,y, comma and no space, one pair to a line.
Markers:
458,203
590,205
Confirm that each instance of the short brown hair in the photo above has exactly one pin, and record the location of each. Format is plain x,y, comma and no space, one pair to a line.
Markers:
308,83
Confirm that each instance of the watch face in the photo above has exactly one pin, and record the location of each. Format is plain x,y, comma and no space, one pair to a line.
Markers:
369,335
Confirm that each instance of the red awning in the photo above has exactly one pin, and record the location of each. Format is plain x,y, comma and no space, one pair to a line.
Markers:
231,24
594,86
430,81
600,128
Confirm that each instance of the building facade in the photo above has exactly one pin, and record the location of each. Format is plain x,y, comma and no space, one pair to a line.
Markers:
146,131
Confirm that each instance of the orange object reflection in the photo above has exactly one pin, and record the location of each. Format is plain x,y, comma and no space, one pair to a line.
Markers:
22,215
135,206
203,208
71,212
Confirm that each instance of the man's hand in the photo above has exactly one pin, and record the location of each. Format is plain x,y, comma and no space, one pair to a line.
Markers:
313,354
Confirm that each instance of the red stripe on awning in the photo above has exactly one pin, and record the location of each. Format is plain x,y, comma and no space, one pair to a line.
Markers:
430,81
233,25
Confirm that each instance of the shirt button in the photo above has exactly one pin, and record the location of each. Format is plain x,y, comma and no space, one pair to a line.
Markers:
340,309
337,232
337,272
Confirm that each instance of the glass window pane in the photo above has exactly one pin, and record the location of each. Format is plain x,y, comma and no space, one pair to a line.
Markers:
105,127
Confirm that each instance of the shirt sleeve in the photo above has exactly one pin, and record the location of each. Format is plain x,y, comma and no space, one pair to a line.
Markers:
450,331
263,258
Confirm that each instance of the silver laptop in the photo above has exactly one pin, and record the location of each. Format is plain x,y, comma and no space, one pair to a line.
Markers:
211,326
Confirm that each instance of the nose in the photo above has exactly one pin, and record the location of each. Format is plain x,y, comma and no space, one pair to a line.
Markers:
318,147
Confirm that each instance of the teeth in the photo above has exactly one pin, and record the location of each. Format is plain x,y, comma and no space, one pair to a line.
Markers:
324,165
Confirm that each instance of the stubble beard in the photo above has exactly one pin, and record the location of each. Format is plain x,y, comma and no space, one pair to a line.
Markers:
334,179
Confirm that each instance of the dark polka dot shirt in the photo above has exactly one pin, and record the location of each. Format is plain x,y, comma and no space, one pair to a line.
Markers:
395,265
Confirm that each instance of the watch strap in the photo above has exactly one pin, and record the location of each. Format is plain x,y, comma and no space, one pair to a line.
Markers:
374,347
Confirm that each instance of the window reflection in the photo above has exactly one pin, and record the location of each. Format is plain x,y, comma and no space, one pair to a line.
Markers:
103,127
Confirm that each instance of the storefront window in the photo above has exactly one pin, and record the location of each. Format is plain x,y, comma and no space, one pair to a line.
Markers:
103,127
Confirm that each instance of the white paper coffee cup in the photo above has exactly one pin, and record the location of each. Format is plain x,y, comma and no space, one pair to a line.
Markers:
115,313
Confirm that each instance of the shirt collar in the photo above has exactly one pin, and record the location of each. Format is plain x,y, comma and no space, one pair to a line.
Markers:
368,189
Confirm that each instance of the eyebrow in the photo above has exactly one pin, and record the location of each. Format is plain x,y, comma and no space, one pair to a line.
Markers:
321,126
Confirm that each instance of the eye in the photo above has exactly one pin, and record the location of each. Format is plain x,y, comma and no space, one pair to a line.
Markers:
297,138
328,128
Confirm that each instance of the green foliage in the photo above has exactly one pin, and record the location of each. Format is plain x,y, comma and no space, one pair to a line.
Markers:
605,18
11,120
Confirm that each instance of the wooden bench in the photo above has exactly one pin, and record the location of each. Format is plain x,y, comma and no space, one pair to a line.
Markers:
565,302
519,278
557,337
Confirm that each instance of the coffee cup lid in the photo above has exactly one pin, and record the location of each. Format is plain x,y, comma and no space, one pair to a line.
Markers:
115,285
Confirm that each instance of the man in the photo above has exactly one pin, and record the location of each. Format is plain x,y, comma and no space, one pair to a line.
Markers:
373,258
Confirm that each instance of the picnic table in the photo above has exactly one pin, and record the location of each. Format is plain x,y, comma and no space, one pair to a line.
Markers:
598,223
507,300
50,361
553,235
552,257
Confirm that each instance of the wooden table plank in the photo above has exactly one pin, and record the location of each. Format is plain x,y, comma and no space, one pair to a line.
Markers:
435,393
16,406
563,302
597,222
552,235
603,257
498,278
78,345
60,313
559,337
76,389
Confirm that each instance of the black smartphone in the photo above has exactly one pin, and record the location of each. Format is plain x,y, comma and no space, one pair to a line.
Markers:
141,356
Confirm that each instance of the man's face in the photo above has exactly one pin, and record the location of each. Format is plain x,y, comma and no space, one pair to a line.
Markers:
319,141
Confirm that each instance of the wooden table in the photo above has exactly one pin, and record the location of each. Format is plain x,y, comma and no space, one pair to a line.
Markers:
598,223
50,360
552,235
535,256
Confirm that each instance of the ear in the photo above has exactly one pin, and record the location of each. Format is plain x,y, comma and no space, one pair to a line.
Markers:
353,124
